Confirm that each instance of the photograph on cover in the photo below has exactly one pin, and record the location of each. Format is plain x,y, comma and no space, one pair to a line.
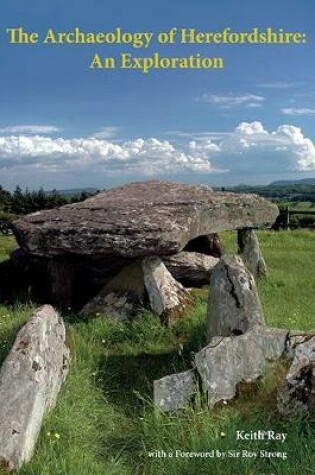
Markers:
157,237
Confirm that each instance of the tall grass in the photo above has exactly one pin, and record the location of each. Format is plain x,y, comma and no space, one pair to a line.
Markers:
105,422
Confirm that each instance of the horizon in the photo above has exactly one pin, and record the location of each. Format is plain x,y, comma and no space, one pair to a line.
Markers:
99,189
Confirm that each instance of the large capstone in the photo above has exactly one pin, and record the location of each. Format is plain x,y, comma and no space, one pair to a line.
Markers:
140,219
234,305
30,380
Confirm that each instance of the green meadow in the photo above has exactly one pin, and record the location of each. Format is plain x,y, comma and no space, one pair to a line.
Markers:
105,423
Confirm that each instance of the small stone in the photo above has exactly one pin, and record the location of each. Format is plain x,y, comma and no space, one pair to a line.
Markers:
175,392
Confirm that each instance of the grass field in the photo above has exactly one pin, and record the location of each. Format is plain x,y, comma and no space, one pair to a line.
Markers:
105,423
302,205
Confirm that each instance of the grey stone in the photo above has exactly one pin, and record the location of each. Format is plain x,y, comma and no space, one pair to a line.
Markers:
234,304
297,392
30,380
168,298
222,365
193,268
140,219
226,362
122,296
175,392
250,252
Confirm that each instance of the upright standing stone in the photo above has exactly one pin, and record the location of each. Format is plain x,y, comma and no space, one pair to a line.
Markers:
250,252
234,305
30,380
168,298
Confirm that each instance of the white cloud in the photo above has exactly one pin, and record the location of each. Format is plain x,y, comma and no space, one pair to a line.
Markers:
298,111
252,148
249,147
234,100
30,129
106,133
281,85
145,156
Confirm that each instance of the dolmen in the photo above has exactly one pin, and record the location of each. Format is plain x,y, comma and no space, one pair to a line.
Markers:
138,245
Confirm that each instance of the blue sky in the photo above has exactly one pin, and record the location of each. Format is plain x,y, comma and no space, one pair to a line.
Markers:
63,125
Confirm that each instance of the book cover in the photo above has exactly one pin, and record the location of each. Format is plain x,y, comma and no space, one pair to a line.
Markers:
157,190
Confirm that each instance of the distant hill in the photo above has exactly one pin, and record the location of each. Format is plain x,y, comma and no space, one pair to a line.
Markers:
304,181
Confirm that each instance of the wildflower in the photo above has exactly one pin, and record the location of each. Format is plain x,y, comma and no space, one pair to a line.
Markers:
222,434
57,435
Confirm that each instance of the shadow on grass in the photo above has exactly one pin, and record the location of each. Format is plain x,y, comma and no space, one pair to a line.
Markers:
127,380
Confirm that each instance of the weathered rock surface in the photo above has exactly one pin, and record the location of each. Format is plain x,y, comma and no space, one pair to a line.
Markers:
234,304
226,362
192,268
140,219
250,252
221,366
30,380
122,296
297,393
168,298
175,391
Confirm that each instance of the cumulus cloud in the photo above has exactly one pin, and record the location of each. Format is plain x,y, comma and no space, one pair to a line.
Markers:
145,156
233,100
298,111
30,129
249,147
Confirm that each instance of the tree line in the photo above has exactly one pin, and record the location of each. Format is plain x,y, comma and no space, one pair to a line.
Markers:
21,202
